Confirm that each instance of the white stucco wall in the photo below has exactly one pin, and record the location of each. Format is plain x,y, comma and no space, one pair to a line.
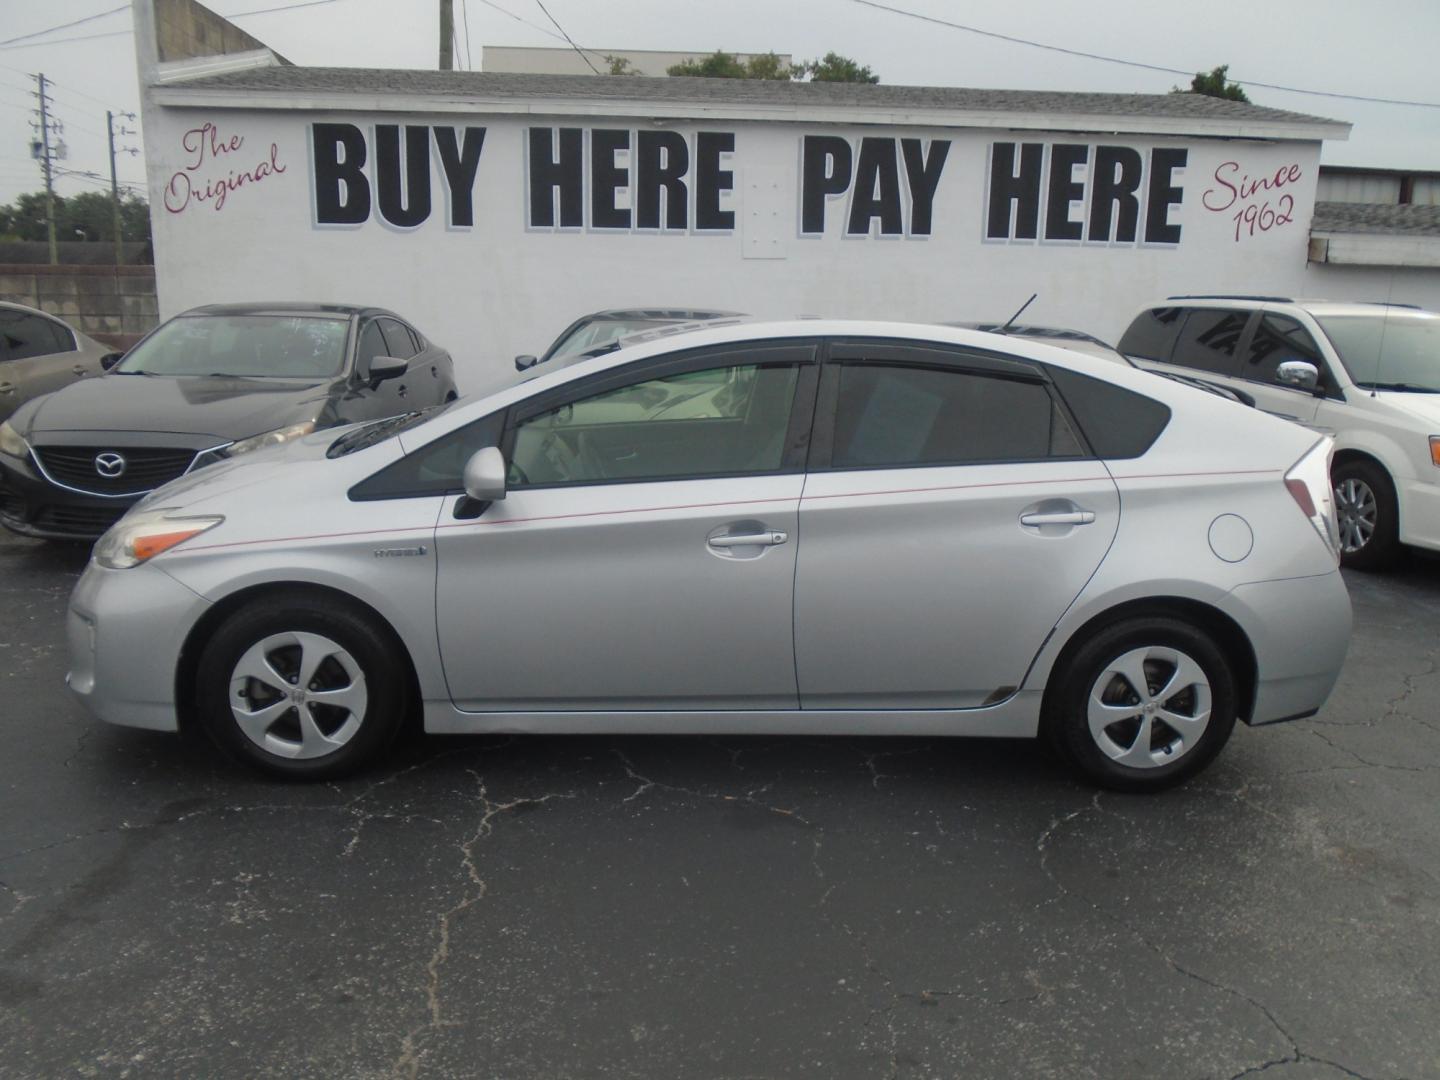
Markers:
499,287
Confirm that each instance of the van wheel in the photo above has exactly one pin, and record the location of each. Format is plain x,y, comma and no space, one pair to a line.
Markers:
1143,705
302,689
1367,515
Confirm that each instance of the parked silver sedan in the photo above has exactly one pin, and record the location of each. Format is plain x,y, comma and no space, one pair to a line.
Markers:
811,527
40,353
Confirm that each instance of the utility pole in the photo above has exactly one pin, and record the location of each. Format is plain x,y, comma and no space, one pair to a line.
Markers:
447,34
46,164
114,181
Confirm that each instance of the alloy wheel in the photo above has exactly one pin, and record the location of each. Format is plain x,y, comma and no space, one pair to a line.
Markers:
298,695
1149,706
1356,509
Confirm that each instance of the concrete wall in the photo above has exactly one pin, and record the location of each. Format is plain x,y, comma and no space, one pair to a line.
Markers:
112,304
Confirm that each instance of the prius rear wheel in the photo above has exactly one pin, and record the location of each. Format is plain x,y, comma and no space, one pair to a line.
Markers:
305,689
1143,705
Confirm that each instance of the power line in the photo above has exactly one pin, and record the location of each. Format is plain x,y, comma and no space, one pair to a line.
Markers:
568,38
465,22
1133,63
64,41
524,22
282,7
65,26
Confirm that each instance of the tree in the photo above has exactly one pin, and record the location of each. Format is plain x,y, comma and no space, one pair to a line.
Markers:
722,65
836,68
89,215
618,65
1212,84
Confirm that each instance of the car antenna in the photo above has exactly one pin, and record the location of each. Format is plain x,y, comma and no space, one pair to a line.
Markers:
1017,314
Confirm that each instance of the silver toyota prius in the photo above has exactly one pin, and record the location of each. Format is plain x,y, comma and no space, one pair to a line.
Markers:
854,528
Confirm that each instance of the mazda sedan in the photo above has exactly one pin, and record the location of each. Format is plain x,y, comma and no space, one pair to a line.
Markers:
210,384
803,528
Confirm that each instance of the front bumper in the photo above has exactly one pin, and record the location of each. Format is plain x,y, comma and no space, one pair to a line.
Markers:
1300,631
32,506
125,629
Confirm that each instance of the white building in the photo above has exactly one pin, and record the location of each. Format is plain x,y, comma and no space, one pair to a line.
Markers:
495,208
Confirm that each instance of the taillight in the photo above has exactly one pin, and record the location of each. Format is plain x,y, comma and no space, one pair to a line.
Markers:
1301,494
1308,482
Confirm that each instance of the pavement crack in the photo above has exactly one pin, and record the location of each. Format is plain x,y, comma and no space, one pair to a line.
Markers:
408,1063
1295,1053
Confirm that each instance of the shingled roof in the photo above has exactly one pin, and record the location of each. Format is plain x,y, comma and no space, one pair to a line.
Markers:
738,92
1375,218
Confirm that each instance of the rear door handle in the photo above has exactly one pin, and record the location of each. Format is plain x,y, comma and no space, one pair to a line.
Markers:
7,388
1063,517
764,539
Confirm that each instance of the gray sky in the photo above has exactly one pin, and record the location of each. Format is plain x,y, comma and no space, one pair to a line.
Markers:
1385,51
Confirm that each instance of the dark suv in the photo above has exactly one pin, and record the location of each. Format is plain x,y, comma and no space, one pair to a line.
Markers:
207,385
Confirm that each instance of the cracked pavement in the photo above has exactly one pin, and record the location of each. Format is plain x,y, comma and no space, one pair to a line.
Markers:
722,907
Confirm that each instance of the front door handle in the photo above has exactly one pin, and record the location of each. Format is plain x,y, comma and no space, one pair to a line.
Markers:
7,388
764,539
1063,517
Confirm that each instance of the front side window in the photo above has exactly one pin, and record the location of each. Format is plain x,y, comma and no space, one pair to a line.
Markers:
722,421
27,335
1394,351
1208,340
246,346
896,416
1279,339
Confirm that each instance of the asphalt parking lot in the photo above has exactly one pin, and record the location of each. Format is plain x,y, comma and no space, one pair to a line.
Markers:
691,907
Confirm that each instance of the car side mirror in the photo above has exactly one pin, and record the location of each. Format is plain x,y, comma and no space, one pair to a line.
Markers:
525,362
386,367
484,476
110,359
1300,374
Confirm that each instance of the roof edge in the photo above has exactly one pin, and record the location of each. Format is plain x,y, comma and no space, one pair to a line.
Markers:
183,93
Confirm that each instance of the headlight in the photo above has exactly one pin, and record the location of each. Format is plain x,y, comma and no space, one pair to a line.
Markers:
138,537
270,438
11,443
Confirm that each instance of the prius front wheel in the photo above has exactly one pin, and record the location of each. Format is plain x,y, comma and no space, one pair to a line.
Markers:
1143,705
306,689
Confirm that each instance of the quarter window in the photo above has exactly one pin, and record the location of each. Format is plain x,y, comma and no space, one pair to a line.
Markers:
1209,338
721,421
1279,339
899,415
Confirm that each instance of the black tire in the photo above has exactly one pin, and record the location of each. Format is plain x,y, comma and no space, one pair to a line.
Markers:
1067,703
1382,548
360,648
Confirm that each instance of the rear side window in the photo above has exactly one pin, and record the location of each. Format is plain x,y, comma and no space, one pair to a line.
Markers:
1117,423
1208,340
1152,334
397,339
894,416
27,335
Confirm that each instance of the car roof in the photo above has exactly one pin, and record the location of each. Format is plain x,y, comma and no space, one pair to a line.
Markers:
1315,306
678,314
1057,333
288,307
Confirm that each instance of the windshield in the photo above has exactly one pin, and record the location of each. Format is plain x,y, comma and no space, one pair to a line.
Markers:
249,346
592,335
1397,351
